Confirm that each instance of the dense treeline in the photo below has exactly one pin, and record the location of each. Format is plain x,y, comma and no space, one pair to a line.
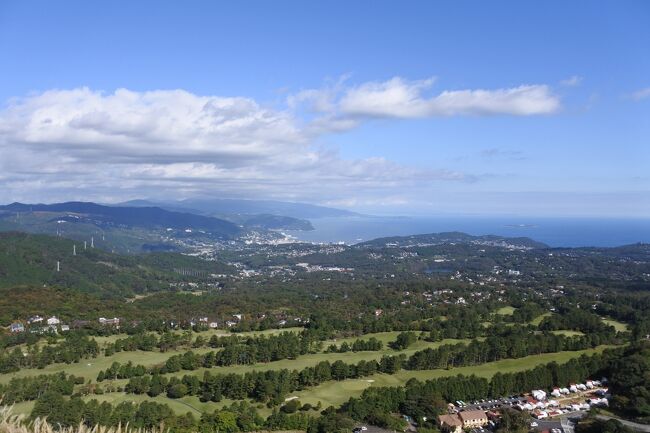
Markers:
273,385
403,340
240,350
511,343
72,349
264,386
370,345
630,383
238,417
31,388
574,319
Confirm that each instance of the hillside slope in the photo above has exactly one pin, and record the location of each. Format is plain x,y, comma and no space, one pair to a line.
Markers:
28,259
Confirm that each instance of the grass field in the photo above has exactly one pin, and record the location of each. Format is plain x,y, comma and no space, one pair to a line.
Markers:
312,359
537,320
567,333
90,368
335,393
506,311
619,326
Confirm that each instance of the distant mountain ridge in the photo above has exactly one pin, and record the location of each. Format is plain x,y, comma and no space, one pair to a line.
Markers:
248,207
134,216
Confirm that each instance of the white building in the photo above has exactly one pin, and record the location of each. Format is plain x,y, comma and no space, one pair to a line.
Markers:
53,321
538,394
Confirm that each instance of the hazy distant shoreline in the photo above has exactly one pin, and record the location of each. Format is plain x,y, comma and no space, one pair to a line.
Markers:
556,232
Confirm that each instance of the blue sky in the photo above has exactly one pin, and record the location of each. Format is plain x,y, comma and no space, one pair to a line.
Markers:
385,107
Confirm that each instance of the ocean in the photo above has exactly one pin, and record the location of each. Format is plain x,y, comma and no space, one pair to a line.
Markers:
555,232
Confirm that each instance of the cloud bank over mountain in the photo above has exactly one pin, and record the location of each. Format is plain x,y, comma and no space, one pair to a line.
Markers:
124,144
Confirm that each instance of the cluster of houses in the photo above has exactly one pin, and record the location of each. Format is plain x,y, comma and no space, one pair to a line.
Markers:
457,422
39,325
540,406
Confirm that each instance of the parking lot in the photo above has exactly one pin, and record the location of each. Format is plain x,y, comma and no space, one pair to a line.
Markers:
493,404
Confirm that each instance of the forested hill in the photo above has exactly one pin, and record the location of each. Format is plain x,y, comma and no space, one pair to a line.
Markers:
28,259
450,238
146,217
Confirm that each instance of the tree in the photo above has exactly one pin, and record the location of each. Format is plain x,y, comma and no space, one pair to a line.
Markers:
513,421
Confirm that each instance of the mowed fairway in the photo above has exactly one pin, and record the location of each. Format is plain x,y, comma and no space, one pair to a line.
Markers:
90,368
619,326
336,393
506,311
309,360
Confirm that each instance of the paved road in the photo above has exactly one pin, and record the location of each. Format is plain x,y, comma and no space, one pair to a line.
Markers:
372,429
630,424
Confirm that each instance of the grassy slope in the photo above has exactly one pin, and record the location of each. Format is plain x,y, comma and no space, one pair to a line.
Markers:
619,326
506,311
89,368
335,393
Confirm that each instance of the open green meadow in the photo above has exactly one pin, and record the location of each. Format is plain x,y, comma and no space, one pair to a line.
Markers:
90,368
537,320
336,393
619,326
506,311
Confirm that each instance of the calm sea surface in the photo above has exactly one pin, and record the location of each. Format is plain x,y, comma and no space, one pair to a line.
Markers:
556,232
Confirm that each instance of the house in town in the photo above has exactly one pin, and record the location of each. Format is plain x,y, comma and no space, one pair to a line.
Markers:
17,327
473,418
34,320
539,394
450,423
53,321
109,322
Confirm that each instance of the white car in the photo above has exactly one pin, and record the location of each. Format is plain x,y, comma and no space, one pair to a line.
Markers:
533,424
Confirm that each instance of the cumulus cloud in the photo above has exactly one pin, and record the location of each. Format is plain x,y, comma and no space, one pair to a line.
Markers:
399,98
128,143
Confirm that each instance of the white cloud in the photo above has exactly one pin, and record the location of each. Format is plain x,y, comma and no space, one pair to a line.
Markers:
641,94
406,99
87,144
176,143
572,81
